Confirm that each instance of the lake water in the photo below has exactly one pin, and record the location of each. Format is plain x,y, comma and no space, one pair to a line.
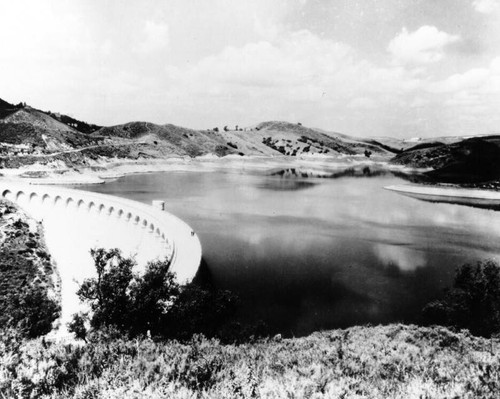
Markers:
309,253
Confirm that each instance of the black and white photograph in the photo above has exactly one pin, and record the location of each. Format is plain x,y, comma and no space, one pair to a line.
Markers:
231,199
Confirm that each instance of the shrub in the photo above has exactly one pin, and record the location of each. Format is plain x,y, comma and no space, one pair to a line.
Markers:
149,304
473,302
107,294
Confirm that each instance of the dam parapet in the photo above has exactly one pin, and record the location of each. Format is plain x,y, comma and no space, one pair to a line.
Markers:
76,221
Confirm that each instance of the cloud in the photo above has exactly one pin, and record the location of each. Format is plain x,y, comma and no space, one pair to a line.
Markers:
155,37
480,83
423,46
486,6
405,258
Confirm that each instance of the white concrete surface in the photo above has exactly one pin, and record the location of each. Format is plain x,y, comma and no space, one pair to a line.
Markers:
76,221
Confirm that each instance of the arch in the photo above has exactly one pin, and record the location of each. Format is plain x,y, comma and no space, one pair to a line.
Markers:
158,233
45,198
129,216
20,195
111,209
120,213
69,202
151,228
91,206
33,196
7,194
163,236
58,200
101,208
144,223
80,204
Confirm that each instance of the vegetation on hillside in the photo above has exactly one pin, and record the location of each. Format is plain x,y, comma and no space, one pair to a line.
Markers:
472,303
466,161
27,294
361,362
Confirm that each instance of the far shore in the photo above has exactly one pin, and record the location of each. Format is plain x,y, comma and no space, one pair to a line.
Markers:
103,171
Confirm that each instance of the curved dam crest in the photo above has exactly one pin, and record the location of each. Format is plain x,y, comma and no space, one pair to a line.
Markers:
76,221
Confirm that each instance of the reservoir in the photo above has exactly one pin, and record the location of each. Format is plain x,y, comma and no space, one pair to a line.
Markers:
305,252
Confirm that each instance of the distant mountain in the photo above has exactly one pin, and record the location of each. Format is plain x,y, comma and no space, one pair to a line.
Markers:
44,137
474,159
40,132
267,138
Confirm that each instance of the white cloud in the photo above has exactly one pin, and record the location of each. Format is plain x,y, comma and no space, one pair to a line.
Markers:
486,6
362,103
423,46
155,37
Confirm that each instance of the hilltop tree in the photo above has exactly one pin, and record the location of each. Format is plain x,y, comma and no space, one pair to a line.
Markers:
226,128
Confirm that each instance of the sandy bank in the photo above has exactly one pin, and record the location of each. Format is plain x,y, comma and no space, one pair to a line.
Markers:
453,195
100,172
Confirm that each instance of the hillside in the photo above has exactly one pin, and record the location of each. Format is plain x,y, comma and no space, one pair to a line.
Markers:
6,108
29,136
471,160
394,361
30,132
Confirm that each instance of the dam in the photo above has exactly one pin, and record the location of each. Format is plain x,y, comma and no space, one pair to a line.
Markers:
75,221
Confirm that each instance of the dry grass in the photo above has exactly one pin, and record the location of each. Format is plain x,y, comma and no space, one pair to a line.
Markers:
394,361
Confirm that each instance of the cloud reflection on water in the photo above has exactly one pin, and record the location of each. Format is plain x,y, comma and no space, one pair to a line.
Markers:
406,259
340,252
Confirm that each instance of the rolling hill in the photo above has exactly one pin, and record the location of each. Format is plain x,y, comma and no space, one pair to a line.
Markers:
29,135
474,159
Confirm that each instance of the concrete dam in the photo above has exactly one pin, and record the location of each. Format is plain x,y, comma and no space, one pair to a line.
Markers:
75,221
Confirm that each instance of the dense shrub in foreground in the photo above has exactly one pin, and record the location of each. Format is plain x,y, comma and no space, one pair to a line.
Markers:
151,303
473,302
394,361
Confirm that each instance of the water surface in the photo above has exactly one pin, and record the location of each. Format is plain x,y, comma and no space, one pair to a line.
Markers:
308,253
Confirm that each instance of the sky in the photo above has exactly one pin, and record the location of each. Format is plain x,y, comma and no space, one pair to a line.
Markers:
401,68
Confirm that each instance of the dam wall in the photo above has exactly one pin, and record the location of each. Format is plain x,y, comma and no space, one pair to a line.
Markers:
75,221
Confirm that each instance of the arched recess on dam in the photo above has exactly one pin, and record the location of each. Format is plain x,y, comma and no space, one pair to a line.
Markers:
76,221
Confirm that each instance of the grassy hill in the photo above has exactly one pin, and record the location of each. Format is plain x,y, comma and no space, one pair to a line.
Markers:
394,361
50,137
471,160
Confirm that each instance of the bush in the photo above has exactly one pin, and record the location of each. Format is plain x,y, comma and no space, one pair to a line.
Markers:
108,294
473,302
151,304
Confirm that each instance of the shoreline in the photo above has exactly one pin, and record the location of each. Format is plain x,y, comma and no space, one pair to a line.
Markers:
102,172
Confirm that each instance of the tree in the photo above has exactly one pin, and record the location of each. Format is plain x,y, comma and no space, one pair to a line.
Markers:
152,295
216,129
473,302
199,311
107,294
77,326
154,302
226,128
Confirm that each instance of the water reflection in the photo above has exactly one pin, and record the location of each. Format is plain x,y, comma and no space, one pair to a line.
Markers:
285,185
332,253
402,257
